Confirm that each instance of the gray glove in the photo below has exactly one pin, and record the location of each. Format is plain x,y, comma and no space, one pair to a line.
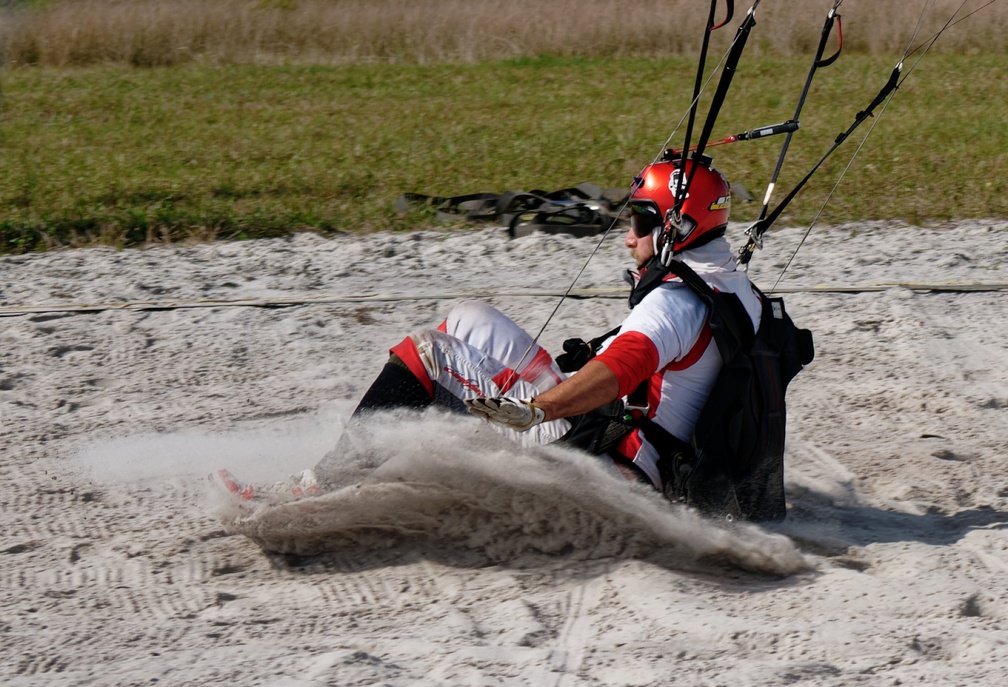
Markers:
513,413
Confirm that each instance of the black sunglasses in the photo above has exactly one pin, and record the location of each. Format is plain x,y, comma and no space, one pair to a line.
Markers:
644,219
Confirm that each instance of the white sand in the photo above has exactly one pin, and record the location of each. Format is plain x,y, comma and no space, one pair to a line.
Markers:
464,560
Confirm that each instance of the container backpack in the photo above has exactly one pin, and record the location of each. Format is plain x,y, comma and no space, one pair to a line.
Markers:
733,465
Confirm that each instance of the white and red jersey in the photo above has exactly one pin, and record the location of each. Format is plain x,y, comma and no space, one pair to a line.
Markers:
666,340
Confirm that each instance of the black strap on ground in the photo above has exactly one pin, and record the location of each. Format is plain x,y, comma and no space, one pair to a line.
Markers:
581,210
735,322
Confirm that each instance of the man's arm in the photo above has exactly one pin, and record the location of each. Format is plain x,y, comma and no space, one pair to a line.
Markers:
617,371
594,385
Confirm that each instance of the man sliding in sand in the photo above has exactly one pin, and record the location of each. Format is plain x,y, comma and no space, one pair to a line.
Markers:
631,392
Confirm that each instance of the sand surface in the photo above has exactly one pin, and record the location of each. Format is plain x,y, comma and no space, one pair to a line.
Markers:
460,559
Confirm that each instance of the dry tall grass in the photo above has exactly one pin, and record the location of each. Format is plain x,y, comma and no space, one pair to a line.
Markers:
170,32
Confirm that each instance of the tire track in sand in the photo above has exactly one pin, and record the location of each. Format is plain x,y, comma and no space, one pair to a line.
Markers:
577,631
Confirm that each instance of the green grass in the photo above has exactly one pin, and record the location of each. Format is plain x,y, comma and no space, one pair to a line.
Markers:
125,156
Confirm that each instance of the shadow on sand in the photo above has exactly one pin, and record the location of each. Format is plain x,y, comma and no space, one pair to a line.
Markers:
820,526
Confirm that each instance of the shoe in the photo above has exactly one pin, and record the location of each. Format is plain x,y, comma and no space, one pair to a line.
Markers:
300,485
225,479
307,484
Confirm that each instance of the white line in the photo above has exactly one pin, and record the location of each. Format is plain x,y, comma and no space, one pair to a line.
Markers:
333,299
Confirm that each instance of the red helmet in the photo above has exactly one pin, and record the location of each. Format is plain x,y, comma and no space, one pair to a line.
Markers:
704,211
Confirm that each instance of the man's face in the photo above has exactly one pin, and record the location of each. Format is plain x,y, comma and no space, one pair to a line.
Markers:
641,248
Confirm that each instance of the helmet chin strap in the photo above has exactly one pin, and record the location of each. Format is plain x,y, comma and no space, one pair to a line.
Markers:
649,276
670,229
654,269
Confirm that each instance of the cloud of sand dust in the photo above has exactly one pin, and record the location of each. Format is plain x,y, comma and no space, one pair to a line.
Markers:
259,450
447,478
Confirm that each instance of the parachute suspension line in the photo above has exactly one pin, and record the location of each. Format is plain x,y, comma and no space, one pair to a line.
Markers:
717,101
754,232
963,18
829,196
696,97
724,83
566,293
891,85
929,43
698,83
925,11
888,90
699,87
665,246
681,184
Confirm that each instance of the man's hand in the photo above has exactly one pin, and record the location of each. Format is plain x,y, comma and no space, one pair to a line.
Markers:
513,413
576,353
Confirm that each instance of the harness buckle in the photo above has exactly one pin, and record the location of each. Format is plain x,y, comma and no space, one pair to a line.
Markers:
754,236
634,412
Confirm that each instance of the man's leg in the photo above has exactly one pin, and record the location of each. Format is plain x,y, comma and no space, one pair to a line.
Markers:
476,350
483,327
446,366
394,387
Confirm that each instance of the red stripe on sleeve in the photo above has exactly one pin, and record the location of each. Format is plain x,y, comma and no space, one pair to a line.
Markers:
632,357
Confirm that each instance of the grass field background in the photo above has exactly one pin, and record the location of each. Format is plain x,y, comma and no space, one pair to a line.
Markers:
99,149
171,32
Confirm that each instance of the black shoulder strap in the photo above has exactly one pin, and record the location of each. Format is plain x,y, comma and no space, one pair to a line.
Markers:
731,328
649,281
731,325
599,340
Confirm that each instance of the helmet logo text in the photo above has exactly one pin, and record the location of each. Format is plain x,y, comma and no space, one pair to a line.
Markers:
722,203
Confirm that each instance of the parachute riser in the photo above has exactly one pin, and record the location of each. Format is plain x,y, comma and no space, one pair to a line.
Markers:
751,135
755,231
673,222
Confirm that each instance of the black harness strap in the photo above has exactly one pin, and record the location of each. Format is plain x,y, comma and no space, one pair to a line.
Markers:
675,456
656,271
